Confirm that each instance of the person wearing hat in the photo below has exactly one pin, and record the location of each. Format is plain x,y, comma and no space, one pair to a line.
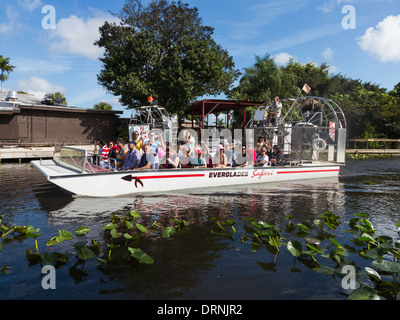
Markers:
201,162
132,157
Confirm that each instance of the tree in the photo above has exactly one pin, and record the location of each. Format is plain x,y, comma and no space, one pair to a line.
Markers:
58,98
165,51
5,68
102,106
265,80
317,77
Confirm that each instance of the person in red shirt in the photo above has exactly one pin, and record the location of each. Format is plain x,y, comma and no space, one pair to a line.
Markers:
103,153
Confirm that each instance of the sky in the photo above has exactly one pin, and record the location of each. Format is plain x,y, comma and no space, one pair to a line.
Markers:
51,41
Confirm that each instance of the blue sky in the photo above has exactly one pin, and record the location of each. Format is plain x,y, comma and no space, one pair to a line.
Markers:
65,59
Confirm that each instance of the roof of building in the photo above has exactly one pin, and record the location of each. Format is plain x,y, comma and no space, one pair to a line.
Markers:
29,101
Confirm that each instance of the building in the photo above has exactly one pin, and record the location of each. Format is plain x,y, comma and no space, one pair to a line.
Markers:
25,119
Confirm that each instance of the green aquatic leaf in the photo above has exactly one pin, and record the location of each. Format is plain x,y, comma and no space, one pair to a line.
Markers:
141,227
335,243
79,244
82,231
115,234
84,253
134,214
139,255
63,235
388,266
373,274
110,226
295,248
364,293
128,224
168,232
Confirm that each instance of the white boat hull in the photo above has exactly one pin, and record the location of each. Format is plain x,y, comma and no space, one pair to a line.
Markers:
111,184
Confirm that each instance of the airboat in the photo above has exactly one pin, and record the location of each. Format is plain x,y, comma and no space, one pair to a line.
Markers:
311,132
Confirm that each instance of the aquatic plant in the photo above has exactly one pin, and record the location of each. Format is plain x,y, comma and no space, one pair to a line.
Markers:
315,241
121,233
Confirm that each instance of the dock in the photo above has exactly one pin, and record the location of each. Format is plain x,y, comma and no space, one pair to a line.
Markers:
19,152
373,146
374,151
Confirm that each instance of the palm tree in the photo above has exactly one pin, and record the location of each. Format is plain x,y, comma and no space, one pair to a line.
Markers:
263,81
59,98
102,106
5,68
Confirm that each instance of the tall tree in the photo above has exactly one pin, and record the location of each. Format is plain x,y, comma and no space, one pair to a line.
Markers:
163,50
5,68
265,80
317,77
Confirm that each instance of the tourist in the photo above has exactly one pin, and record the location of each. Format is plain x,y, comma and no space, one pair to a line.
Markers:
154,144
275,112
261,141
147,159
113,149
252,155
220,160
262,159
121,154
137,140
112,154
187,160
132,157
190,141
242,159
200,161
171,159
103,154
207,157
276,158
229,155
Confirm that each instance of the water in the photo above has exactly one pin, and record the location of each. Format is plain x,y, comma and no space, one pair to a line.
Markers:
195,264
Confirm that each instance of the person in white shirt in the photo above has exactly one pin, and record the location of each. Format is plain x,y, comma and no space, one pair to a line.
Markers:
262,158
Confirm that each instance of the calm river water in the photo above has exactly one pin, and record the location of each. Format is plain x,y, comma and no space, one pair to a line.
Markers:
195,263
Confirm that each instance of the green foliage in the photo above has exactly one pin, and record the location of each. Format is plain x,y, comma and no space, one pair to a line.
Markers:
371,111
59,98
162,50
123,234
320,248
5,68
102,106
264,81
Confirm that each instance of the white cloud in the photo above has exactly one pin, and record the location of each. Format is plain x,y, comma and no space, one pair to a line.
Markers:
383,41
328,6
38,86
29,4
328,53
12,23
282,58
76,35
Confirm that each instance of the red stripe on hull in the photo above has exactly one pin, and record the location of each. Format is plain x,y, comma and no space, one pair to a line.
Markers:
172,176
308,171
